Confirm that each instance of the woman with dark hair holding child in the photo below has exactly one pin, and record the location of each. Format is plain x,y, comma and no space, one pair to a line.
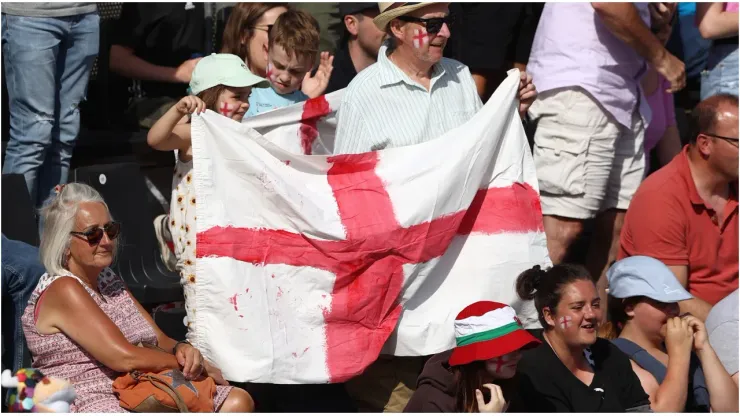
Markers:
573,370
478,374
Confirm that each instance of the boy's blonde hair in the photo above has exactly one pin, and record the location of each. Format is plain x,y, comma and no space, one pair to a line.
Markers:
297,32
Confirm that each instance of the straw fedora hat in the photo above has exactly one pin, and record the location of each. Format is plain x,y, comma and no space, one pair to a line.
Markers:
390,11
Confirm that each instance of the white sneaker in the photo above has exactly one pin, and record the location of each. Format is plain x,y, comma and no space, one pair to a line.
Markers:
164,239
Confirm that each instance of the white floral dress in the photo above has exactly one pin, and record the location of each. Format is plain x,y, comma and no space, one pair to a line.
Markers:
182,228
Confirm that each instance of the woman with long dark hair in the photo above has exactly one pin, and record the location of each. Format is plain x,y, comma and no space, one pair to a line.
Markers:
477,375
573,370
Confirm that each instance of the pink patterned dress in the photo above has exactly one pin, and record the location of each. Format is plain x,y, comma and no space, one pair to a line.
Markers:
57,355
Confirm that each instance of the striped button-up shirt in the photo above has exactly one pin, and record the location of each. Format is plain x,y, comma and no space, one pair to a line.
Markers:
384,108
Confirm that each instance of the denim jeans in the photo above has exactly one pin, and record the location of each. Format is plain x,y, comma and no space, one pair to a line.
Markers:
721,75
21,270
47,67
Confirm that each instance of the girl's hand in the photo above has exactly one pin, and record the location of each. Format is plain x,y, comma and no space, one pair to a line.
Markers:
678,337
190,104
497,403
700,332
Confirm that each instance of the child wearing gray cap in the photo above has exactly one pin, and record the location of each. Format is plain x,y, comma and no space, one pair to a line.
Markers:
669,352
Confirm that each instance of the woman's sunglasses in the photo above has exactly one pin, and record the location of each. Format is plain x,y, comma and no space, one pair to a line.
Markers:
433,24
93,236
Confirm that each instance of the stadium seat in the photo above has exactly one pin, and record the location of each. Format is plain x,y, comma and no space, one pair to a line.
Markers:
18,213
123,187
170,318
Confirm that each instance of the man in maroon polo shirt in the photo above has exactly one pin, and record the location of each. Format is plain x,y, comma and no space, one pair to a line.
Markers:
686,214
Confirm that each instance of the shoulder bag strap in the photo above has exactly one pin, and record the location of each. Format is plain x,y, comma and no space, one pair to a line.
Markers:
165,387
642,358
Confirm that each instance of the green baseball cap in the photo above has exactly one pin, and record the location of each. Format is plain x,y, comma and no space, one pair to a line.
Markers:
223,69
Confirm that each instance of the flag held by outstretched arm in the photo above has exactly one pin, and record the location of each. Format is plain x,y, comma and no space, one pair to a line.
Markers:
310,266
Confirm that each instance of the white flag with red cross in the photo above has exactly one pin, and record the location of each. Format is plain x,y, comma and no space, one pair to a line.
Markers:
310,266
306,128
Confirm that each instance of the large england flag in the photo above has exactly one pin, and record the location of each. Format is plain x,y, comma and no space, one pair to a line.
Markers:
310,266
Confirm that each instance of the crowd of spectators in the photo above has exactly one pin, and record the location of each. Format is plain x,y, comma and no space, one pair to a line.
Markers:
646,321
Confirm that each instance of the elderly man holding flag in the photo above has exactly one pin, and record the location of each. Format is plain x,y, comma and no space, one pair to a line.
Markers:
410,96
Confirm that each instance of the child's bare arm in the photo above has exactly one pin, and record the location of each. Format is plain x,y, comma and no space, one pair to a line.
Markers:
166,133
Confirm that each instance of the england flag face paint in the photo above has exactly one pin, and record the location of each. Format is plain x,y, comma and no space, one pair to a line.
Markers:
504,367
226,110
566,322
420,38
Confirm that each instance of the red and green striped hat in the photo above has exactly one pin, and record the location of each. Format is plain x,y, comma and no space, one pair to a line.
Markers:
486,330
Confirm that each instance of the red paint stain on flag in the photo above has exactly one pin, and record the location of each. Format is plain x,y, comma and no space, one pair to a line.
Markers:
280,292
313,110
232,300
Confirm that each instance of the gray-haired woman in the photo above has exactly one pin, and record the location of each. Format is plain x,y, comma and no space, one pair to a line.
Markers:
82,324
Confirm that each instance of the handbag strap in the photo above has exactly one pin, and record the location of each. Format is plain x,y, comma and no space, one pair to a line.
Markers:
165,387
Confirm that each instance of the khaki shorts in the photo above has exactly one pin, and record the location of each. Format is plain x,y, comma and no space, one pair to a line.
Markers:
386,385
586,161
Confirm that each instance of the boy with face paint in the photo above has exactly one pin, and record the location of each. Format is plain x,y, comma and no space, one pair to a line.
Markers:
477,375
291,50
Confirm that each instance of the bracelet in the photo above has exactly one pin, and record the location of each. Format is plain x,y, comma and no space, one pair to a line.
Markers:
174,349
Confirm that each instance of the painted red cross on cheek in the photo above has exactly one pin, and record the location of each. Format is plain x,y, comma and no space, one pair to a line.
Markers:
500,362
420,37
226,110
565,322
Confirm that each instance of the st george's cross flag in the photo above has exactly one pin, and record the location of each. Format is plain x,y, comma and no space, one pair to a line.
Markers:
307,128
310,266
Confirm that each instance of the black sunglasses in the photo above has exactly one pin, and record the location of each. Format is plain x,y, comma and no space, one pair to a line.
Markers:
433,24
93,236
731,140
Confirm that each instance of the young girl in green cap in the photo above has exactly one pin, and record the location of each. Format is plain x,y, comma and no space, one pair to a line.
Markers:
221,83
